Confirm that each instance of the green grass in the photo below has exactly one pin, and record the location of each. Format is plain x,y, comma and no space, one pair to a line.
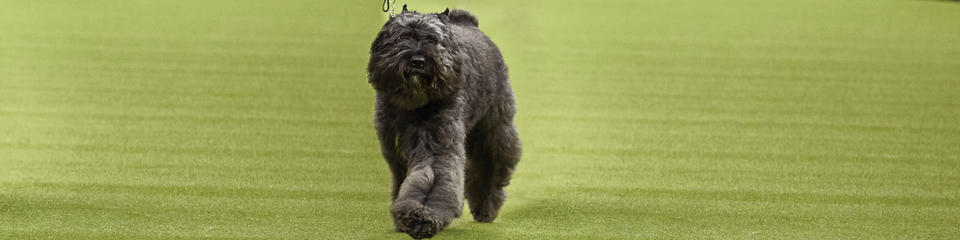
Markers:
814,119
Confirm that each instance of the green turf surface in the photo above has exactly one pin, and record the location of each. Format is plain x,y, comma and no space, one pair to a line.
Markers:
640,119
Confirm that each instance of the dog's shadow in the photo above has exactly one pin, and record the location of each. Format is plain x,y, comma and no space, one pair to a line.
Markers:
459,229
470,229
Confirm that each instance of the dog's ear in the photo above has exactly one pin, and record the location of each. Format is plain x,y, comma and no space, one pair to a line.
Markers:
444,16
404,8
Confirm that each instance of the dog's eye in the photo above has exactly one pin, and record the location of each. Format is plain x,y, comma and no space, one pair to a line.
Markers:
405,38
431,41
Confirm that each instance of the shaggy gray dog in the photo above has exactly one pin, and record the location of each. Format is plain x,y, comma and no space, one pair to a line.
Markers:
444,117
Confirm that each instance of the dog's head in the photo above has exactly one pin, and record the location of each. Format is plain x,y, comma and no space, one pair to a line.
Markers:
412,59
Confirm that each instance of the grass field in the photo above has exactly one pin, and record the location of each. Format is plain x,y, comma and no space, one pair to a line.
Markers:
808,119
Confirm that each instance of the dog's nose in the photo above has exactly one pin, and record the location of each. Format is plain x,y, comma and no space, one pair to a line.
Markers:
418,61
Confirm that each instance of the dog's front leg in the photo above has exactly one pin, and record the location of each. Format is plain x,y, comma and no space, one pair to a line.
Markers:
431,195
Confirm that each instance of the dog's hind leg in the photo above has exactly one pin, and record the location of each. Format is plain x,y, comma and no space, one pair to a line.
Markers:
494,153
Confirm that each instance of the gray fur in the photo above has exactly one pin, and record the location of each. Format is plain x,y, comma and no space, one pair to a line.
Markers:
446,129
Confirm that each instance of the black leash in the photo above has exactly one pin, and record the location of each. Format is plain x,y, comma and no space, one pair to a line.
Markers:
387,5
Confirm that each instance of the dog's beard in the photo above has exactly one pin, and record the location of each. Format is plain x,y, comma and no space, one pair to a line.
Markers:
411,93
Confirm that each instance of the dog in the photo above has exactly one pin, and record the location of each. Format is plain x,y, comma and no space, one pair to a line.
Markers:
444,118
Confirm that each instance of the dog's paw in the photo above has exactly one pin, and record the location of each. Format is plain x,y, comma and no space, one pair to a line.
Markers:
484,214
418,223
487,209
